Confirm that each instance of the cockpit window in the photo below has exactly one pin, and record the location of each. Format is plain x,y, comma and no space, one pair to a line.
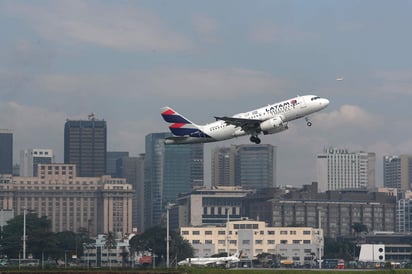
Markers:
315,98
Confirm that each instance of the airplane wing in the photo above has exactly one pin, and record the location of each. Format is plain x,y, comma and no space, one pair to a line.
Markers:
247,125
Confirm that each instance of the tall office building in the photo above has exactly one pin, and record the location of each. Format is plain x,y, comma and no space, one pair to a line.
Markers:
31,158
111,161
251,166
221,167
132,169
85,143
255,165
397,171
340,169
6,151
183,170
169,170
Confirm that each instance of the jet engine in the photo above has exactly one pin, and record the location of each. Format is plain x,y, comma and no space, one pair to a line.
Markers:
273,125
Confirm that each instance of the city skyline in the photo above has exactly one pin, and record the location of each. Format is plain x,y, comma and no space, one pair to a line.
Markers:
59,61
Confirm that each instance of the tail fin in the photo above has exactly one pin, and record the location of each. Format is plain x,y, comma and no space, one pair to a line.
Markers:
180,126
238,254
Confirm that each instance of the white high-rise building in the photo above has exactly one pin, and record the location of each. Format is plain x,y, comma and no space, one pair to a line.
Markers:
340,169
31,158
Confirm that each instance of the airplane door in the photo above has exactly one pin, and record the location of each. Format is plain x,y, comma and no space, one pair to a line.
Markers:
303,103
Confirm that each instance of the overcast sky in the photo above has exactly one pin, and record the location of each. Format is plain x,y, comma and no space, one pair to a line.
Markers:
124,60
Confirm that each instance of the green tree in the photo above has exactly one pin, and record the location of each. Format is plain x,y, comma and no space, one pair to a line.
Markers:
154,240
110,244
39,239
341,249
67,245
359,228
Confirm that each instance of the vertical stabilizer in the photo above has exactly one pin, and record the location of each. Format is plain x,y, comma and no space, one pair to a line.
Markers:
180,125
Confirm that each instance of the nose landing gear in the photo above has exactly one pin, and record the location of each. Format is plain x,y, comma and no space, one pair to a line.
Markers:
308,122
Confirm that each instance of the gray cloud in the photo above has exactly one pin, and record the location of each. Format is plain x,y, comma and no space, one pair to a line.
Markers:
123,27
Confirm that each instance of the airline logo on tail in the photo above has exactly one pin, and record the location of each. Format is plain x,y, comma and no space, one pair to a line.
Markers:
181,126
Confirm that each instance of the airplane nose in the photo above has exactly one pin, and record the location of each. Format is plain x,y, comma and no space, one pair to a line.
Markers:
326,102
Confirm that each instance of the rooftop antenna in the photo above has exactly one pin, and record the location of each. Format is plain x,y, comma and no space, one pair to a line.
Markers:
91,116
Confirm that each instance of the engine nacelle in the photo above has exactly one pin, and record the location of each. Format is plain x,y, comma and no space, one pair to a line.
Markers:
273,125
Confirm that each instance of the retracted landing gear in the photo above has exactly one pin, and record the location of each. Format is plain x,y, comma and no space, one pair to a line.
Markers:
308,122
255,139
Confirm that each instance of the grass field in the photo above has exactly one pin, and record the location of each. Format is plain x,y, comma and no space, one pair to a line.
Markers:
294,271
205,271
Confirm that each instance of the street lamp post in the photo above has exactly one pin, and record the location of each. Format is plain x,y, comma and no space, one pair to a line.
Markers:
169,205
24,234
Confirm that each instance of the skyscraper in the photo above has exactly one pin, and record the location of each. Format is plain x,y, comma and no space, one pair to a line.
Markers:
85,143
132,169
255,165
183,170
397,171
251,166
221,167
6,151
31,158
169,170
340,169
111,161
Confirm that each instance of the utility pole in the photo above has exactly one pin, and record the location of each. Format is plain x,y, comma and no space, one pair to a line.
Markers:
169,205
227,233
24,234
319,240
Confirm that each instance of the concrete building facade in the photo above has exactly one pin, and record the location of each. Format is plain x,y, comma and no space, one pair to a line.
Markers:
340,169
31,158
397,171
97,204
253,238
209,206
336,211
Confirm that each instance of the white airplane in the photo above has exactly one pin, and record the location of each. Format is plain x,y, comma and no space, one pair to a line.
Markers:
225,261
267,120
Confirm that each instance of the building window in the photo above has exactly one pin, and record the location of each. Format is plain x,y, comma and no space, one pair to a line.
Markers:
271,242
185,232
208,241
208,232
306,232
258,242
221,242
221,232
195,232
271,232
246,242
292,232
283,241
306,241
283,232
296,241
195,242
